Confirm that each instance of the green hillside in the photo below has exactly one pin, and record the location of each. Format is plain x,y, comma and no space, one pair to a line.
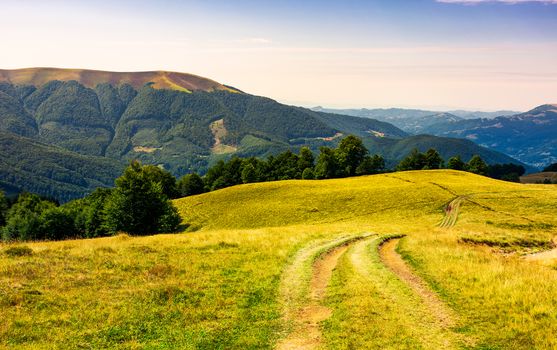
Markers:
244,276
29,165
127,116
447,147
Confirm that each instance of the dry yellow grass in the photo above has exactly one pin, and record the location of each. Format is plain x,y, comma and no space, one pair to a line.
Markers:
219,285
161,79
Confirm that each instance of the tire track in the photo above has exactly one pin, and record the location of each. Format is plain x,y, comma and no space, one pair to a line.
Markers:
423,324
396,264
451,212
304,308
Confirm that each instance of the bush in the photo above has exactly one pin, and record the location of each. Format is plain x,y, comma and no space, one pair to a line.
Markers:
18,251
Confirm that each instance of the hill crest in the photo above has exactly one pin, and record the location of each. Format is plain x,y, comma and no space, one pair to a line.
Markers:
91,78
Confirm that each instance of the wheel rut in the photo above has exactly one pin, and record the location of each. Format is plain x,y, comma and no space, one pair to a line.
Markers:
392,260
306,333
451,212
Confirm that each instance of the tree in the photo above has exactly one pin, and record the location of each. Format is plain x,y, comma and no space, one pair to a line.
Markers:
248,173
285,166
167,181
138,205
23,220
305,159
89,215
371,165
308,174
413,161
456,163
507,172
190,185
477,165
213,173
56,223
350,153
3,208
433,159
327,164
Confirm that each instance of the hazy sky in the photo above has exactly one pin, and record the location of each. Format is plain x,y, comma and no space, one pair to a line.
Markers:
346,53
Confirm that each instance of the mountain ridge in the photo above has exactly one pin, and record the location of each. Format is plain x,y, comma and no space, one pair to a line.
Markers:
182,131
39,76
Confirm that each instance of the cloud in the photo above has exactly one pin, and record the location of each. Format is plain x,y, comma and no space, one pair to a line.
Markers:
509,2
259,41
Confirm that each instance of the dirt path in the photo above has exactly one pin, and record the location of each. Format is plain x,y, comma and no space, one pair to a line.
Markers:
395,263
545,257
307,334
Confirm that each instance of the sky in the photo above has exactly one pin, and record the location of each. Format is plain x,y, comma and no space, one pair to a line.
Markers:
431,54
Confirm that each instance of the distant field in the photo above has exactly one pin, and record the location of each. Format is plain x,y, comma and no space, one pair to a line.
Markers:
539,178
295,264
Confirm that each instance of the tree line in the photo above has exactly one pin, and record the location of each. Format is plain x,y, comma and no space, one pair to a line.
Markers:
140,203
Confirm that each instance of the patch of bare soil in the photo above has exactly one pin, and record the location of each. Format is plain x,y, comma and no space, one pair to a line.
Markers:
395,263
547,256
219,133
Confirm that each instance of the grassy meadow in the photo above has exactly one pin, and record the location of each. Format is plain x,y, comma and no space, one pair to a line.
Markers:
229,280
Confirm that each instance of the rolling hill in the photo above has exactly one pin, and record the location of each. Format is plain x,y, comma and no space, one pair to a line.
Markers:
246,274
179,121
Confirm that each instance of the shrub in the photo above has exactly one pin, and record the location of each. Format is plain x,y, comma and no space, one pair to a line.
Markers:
18,251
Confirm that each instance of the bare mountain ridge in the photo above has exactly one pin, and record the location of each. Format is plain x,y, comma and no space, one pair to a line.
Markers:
91,78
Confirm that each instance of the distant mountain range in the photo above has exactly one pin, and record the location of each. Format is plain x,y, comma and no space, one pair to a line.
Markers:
65,132
414,121
529,137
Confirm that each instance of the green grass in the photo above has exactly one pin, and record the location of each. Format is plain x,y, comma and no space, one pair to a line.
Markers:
220,287
373,309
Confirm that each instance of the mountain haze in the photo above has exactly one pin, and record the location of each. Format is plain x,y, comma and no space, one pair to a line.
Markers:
528,137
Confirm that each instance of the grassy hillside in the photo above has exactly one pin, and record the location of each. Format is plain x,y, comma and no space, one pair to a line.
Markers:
246,260
91,78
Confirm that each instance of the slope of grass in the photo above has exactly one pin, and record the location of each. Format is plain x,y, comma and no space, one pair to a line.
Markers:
91,78
218,285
